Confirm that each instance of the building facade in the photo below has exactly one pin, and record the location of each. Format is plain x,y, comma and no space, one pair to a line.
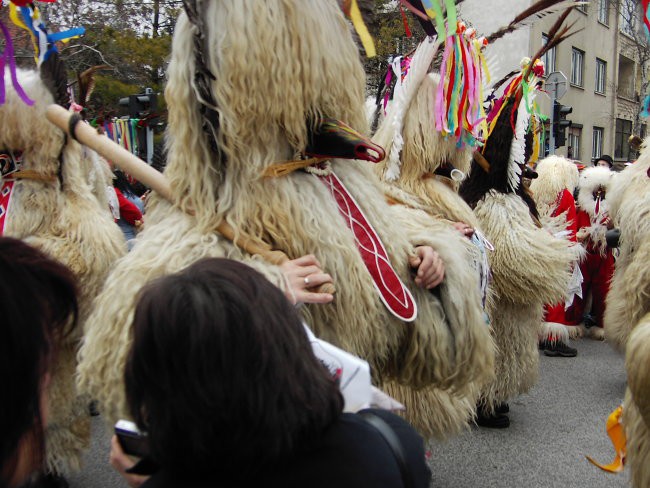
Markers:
605,64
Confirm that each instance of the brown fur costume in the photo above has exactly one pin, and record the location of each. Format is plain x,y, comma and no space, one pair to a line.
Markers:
418,195
64,219
627,315
279,64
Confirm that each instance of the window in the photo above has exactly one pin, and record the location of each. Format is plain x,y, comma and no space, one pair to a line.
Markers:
623,133
577,66
549,57
626,77
582,8
597,143
573,147
627,20
603,12
601,75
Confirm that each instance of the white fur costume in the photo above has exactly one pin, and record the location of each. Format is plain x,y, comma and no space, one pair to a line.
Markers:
629,296
627,315
591,179
418,194
278,64
63,219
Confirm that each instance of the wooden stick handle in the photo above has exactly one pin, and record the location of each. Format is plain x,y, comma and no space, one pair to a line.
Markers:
271,255
141,171
120,157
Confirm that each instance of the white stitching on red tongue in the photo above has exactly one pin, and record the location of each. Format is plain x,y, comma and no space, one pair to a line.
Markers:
393,293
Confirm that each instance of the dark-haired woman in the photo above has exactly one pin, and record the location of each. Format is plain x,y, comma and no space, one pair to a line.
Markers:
222,377
38,304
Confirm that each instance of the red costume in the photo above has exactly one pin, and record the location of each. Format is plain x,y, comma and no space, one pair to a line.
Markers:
565,205
598,265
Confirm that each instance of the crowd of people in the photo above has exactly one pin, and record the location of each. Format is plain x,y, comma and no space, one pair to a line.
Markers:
447,266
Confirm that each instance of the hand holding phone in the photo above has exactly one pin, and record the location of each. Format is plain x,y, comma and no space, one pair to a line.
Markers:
132,441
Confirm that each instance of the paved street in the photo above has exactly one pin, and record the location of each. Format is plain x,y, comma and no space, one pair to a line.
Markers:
551,430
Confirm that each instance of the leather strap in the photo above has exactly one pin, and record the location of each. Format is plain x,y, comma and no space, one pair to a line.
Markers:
388,434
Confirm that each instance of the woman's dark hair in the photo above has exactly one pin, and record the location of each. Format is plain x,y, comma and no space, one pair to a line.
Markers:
221,373
38,306
497,153
121,182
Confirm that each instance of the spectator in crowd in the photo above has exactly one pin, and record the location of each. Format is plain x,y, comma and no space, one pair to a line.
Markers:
605,161
223,379
130,206
38,305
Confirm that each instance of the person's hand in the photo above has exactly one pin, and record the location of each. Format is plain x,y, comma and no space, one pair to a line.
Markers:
429,265
303,276
121,462
464,229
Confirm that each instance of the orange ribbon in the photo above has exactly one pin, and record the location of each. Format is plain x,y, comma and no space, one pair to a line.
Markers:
616,433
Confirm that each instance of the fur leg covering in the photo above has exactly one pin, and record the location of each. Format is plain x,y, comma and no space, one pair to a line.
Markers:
554,332
434,412
517,360
68,431
637,404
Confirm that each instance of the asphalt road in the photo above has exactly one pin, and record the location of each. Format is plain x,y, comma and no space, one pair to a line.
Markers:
551,431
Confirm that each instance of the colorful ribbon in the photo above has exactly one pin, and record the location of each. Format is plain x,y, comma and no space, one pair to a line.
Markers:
616,434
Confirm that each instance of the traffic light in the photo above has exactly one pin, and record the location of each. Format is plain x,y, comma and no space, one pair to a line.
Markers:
141,105
560,122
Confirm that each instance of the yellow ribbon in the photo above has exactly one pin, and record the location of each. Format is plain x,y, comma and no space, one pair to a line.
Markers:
362,30
13,15
616,434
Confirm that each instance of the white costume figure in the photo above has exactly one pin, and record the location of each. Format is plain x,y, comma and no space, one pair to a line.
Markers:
419,186
248,82
627,314
48,202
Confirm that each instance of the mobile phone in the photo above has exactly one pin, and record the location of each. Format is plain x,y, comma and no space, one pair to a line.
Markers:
133,442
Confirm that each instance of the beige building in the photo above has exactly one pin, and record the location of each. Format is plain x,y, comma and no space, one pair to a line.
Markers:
602,64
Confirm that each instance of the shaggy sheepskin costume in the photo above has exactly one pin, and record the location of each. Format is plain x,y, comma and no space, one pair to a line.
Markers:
56,211
553,193
628,299
275,67
418,193
597,266
627,314
529,266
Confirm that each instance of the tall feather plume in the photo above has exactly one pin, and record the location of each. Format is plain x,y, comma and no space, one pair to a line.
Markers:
518,147
556,35
86,82
418,69
55,77
536,12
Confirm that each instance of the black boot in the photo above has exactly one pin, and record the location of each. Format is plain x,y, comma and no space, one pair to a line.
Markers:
491,420
502,408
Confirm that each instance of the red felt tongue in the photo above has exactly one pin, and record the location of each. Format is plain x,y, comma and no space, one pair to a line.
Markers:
6,190
393,293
